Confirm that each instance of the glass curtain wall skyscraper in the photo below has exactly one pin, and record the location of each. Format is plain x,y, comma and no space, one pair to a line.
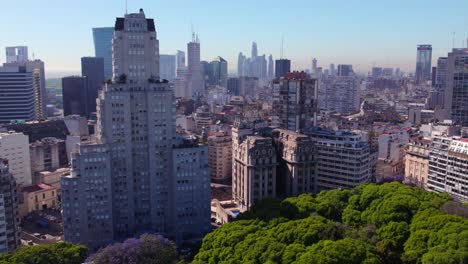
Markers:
423,63
103,47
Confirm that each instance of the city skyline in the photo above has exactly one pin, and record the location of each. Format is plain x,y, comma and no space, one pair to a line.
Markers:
374,36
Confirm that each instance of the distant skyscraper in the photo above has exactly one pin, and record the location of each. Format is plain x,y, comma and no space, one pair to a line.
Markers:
234,86
423,63
456,92
17,100
93,69
36,67
271,72
294,102
282,66
75,97
262,66
254,53
103,47
345,70
137,176
219,67
376,72
16,54
332,69
180,58
433,75
240,64
314,66
195,82
9,220
167,66
441,74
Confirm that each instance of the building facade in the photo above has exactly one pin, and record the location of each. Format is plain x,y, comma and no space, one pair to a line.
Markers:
9,217
423,63
417,163
93,69
167,67
74,90
294,102
456,95
344,160
124,182
282,66
220,155
14,147
18,98
102,37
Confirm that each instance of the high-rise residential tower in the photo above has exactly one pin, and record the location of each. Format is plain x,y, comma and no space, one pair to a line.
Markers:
102,37
314,65
136,176
294,101
456,91
423,63
9,220
93,69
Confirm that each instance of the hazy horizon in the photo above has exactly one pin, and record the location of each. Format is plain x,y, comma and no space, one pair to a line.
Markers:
362,33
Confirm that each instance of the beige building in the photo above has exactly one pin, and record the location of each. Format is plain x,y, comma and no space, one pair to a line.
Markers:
253,168
298,162
37,197
52,178
220,155
417,163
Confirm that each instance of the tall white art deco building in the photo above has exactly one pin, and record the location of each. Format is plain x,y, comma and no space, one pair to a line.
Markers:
127,181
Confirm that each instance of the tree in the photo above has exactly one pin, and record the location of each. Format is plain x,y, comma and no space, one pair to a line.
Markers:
151,249
60,253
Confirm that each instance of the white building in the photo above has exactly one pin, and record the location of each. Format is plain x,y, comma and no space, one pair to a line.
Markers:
14,147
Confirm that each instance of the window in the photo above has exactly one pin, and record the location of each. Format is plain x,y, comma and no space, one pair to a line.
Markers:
43,195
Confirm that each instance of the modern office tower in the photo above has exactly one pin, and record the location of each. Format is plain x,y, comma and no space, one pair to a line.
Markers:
456,95
219,67
344,159
16,54
220,155
15,148
207,73
9,221
294,102
18,98
240,65
195,82
282,66
253,167
448,161
340,94
417,163
433,75
262,67
130,180
297,163
314,65
254,52
18,57
93,69
167,67
345,70
102,37
332,69
234,86
423,63
74,90
180,61
376,72
271,72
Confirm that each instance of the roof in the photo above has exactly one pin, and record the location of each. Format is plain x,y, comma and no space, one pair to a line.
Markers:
37,187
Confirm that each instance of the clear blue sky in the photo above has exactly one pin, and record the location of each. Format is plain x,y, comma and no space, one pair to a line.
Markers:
358,32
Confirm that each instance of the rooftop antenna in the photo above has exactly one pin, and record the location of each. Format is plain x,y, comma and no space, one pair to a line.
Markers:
282,46
193,32
453,40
